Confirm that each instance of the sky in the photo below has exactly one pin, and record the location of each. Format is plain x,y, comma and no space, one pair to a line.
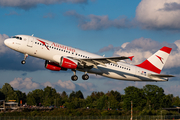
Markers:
103,27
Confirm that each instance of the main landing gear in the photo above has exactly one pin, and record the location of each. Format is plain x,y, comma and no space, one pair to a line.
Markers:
24,61
75,77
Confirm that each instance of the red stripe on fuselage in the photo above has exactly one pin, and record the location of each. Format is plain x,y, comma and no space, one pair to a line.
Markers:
149,66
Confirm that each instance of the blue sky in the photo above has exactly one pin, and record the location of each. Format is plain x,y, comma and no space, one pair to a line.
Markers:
113,28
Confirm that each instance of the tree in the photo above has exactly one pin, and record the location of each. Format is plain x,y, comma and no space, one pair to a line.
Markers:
79,95
21,96
167,101
154,96
2,96
9,92
176,101
102,102
30,99
64,98
136,95
72,95
50,95
114,99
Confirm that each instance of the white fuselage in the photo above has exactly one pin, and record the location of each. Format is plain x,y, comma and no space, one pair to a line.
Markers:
51,51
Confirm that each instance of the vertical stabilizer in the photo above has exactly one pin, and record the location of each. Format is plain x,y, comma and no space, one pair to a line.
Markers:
157,61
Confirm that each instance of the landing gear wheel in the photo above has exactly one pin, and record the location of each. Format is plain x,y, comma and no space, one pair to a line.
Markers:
85,77
23,62
74,78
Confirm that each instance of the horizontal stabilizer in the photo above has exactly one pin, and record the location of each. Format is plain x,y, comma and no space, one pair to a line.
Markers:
161,75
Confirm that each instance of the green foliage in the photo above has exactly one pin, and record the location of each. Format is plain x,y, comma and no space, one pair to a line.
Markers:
146,101
136,95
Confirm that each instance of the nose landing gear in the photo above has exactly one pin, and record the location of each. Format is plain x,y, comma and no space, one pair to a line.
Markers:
24,61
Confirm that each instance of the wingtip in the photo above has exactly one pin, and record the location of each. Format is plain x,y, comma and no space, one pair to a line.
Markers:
131,57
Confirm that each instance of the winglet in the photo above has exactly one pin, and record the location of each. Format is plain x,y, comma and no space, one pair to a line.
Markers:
131,57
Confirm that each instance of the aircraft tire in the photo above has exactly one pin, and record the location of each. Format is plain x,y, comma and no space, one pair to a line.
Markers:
85,77
23,62
74,78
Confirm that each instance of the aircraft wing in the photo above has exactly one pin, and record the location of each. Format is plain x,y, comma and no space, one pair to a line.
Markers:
101,61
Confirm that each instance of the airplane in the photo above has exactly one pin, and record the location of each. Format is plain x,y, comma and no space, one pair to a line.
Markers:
61,57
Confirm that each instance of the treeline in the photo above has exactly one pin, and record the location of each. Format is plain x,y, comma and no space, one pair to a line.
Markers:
146,100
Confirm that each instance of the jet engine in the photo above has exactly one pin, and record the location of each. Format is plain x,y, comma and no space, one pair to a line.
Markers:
52,66
68,63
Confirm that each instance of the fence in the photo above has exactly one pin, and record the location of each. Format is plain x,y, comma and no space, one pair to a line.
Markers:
169,117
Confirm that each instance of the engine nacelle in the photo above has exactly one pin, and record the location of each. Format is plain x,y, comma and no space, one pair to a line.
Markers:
68,63
52,66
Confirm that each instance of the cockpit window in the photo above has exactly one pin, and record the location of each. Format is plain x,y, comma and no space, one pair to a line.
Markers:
20,38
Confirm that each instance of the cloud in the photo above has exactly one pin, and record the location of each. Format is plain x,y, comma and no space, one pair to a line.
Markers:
69,86
49,15
150,14
143,48
3,48
159,14
94,22
171,7
108,48
13,13
27,83
27,4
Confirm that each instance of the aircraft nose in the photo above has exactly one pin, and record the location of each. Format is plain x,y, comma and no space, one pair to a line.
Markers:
6,42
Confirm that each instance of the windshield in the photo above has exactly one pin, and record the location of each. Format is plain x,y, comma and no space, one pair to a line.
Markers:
17,37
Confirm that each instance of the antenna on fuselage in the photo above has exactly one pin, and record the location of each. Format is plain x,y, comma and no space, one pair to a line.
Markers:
32,35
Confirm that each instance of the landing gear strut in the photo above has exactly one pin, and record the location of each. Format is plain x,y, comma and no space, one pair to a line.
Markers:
24,61
74,77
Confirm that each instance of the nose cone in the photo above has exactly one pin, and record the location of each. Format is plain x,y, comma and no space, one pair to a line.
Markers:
6,42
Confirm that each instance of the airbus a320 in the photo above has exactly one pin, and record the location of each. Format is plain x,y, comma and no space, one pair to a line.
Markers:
61,57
